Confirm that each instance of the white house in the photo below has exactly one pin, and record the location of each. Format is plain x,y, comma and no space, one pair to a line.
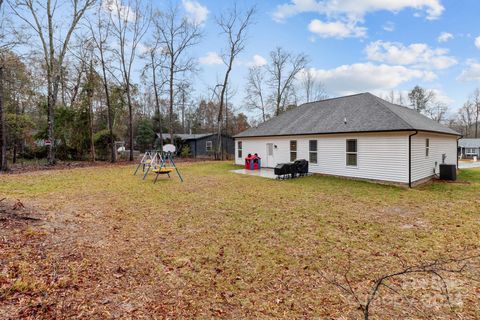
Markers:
358,136
469,148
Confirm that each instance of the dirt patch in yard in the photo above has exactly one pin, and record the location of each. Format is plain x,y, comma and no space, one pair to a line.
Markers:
110,245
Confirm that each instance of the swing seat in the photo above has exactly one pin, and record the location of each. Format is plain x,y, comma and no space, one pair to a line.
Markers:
148,161
163,170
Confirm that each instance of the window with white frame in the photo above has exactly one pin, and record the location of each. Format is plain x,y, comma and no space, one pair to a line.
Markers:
209,145
312,148
293,150
427,147
239,149
351,153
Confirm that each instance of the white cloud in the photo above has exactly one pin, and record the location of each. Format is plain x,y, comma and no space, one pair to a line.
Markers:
115,7
416,54
471,72
257,61
357,8
444,37
197,13
361,77
477,42
212,58
336,29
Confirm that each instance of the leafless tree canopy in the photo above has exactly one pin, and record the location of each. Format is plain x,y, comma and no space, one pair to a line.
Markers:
313,89
175,35
255,95
234,25
129,21
45,23
283,69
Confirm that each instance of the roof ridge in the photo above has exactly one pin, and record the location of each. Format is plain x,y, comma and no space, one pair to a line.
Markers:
380,101
328,99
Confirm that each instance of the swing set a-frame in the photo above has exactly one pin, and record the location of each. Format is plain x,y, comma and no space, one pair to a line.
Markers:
159,162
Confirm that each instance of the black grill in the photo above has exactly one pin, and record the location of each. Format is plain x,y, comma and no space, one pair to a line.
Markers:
291,170
302,167
282,169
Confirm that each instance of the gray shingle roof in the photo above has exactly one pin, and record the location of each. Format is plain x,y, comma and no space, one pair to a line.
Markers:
469,143
363,112
186,136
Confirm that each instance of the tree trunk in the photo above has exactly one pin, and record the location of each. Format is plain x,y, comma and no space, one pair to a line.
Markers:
3,133
220,109
157,105
52,100
109,109
90,111
170,106
130,121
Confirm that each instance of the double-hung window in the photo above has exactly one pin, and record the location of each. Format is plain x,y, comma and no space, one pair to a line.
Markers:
352,152
312,149
239,149
427,147
293,150
208,146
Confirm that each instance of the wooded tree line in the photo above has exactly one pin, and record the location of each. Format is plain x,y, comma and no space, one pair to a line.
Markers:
70,85
427,102
69,76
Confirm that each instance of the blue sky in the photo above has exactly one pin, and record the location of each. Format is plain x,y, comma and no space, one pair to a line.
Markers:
357,45
353,45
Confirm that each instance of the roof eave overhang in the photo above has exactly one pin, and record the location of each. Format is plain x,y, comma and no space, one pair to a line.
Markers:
346,132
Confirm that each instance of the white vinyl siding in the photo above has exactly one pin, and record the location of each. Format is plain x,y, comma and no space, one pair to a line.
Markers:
380,156
423,166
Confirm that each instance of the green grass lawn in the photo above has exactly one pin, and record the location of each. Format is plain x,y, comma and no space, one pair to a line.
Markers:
224,245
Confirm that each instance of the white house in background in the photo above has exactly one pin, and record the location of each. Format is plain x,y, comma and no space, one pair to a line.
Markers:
469,148
358,136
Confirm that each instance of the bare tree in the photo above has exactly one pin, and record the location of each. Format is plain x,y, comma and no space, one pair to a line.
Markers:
184,89
100,33
255,98
3,131
283,69
176,35
34,13
420,98
234,25
466,116
129,21
476,103
313,89
437,111
155,64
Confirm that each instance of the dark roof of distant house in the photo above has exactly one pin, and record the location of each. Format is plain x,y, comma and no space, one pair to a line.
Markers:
362,112
189,136
469,143
186,136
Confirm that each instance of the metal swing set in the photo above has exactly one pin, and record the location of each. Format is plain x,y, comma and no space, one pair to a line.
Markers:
159,162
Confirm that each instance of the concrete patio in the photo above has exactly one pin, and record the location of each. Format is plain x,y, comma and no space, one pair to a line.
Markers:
264,173
468,164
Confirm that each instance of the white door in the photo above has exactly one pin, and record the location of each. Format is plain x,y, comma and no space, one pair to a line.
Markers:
270,162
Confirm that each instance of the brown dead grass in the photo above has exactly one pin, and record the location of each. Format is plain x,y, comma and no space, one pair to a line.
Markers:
222,245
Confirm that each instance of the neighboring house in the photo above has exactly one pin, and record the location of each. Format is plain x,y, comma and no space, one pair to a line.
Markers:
468,148
204,144
359,136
